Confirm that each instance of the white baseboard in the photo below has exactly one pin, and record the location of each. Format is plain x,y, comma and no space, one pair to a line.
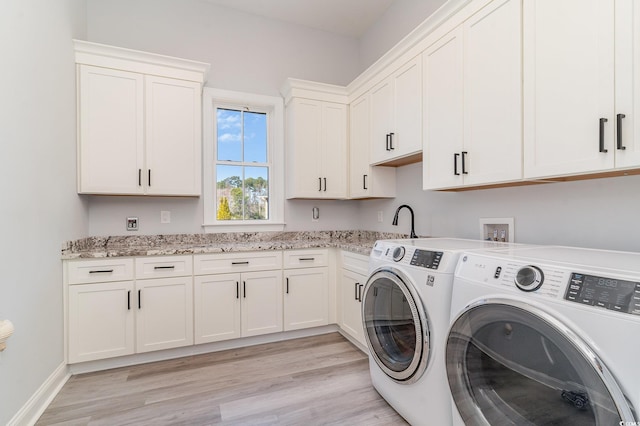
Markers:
40,400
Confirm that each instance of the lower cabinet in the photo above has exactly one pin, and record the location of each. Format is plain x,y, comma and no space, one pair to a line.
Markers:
100,321
228,306
306,299
352,279
108,317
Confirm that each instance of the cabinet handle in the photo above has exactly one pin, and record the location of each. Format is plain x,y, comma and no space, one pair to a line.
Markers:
128,300
325,184
164,267
287,285
619,118
139,177
101,271
149,178
360,292
388,149
246,262
464,169
139,299
355,288
601,139
302,259
237,290
455,164
364,182
391,148
319,184
244,289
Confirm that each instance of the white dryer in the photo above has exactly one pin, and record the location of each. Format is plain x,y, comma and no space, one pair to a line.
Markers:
545,335
405,308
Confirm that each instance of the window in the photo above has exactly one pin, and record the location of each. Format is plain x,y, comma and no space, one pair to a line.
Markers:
243,139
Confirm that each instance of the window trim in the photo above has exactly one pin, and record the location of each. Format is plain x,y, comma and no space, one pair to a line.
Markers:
274,106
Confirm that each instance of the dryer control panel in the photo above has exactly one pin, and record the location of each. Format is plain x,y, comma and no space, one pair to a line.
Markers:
609,293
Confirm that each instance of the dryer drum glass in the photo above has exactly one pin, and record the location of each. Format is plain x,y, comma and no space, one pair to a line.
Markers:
514,367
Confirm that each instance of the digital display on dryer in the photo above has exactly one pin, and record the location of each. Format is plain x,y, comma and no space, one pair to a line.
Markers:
426,259
609,293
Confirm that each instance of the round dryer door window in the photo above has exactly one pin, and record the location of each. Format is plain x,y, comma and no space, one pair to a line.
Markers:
509,363
396,325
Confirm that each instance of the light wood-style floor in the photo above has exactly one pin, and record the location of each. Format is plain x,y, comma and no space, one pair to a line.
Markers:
320,380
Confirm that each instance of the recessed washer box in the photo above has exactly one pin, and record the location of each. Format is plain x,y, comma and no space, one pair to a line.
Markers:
497,229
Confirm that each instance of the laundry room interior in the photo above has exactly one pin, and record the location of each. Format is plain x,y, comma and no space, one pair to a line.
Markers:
143,210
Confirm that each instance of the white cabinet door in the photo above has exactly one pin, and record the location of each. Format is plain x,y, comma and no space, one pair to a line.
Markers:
396,114
492,94
366,181
444,112
164,313
316,149
407,104
381,121
306,298
568,86
627,94
100,321
334,150
173,126
261,302
111,131
351,287
216,307
304,148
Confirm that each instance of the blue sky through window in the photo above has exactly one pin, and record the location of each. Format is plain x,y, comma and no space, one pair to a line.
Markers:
242,136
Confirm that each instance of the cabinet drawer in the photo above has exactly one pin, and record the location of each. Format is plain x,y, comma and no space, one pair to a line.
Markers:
222,263
164,266
355,262
305,258
98,271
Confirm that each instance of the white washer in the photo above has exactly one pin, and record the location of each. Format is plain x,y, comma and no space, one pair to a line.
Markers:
405,310
545,335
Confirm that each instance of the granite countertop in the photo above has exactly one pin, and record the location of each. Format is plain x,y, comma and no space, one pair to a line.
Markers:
359,242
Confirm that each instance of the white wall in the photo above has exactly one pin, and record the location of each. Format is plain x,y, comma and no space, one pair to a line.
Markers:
396,23
599,213
39,208
247,53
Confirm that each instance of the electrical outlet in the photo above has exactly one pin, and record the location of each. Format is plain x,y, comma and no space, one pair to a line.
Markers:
379,215
132,224
165,216
315,214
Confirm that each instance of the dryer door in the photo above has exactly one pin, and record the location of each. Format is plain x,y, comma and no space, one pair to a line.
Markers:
396,325
510,363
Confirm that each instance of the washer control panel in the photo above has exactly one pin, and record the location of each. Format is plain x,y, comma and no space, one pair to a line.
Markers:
609,293
426,258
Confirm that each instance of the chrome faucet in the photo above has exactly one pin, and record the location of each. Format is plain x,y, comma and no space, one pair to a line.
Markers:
395,220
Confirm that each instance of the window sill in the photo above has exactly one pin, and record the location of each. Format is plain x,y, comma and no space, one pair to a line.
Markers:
247,227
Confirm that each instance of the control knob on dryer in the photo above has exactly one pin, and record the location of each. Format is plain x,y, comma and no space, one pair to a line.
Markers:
529,278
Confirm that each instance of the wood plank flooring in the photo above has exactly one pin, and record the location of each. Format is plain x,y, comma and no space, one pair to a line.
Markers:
320,380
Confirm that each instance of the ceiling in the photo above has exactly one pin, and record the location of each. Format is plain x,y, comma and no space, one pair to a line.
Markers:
345,17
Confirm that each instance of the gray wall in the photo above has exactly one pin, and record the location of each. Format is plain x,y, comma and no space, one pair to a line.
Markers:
599,213
247,53
40,208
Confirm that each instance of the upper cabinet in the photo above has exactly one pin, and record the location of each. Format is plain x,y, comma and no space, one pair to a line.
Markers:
139,122
473,102
366,181
396,116
316,141
580,108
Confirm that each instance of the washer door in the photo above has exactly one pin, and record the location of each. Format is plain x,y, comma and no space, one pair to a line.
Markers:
396,325
510,363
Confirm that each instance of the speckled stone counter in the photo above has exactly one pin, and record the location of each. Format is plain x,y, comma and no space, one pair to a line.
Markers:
359,242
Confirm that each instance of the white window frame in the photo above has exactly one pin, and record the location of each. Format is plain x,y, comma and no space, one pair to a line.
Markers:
274,107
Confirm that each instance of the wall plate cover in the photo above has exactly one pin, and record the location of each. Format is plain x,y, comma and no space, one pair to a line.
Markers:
497,229
132,224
